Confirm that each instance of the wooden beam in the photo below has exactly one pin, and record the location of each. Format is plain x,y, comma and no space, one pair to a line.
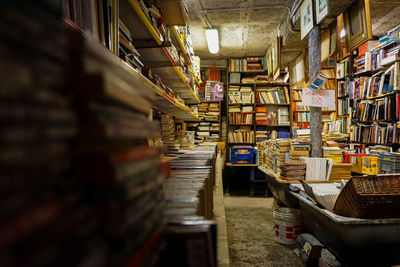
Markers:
314,55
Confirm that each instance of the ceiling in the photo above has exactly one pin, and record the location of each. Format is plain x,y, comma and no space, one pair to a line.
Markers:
248,27
242,32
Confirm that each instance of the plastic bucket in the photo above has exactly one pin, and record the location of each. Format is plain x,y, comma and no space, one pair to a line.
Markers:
287,225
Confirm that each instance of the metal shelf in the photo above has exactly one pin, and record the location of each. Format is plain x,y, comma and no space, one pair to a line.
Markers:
174,78
134,18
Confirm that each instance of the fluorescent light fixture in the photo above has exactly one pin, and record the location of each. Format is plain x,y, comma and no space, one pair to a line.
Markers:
342,33
212,40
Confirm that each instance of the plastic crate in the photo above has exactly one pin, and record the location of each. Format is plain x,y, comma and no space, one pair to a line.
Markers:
389,163
362,163
243,155
354,159
370,164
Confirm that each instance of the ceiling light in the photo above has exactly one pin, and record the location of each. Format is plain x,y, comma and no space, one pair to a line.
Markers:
212,40
342,33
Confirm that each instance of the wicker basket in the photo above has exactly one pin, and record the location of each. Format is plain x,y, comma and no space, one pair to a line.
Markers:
371,197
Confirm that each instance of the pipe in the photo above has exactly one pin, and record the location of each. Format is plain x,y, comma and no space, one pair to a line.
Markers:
213,10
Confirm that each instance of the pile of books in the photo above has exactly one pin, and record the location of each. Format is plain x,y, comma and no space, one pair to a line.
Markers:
261,115
333,153
127,51
318,169
246,64
248,79
189,197
260,79
281,152
293,171
255,63
340,171
299,147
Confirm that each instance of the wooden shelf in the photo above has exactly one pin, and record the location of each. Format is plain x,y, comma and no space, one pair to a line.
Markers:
272,125
259,104
272,84
240,104
250,71
241,83
343,96
378,96
241,165
241,124
372,144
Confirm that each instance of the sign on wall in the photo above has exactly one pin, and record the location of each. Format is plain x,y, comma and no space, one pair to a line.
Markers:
322,98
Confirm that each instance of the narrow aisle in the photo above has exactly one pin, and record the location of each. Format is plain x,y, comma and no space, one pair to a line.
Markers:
251,236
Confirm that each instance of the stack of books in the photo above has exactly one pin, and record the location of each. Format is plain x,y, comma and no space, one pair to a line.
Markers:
189,207
248,79
333,153
340,171
260,79
318,169
299,148
293,171
261,115
255,63
281,152
127,51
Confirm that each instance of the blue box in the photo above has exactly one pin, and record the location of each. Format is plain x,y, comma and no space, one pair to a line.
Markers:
244,155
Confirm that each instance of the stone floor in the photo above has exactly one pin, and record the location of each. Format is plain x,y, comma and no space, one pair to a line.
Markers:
250,234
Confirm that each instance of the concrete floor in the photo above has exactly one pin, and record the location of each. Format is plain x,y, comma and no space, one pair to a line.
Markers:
250,233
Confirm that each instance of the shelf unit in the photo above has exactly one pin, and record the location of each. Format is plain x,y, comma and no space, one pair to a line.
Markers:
253,126
154,51
203,121
298,91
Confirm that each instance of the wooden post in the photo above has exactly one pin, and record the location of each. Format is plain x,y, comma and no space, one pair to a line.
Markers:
314,55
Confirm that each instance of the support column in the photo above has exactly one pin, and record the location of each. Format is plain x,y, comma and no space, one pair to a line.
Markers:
314,55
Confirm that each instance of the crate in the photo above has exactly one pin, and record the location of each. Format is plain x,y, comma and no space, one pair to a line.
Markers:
362,163
243,155
389,162
370,165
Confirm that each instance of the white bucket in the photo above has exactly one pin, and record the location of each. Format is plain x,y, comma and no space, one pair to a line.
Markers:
287,225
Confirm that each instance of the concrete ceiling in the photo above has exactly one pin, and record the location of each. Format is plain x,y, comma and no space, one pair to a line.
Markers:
243,32
248,27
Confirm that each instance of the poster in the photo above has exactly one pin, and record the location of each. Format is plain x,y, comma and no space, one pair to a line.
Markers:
216,91
322,98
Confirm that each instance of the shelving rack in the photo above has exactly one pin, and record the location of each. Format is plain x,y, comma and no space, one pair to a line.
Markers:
155,52
306,124
253,126
219,131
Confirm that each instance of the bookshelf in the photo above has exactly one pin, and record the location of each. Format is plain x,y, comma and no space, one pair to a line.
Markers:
257,108
157,52
375,92
301,113
209,126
